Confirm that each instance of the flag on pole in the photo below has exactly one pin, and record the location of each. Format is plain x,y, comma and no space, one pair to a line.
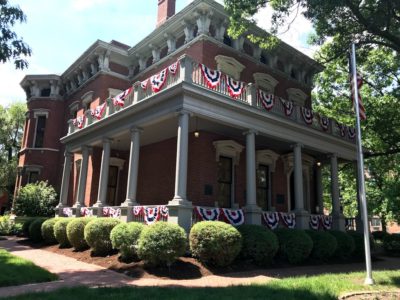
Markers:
363,115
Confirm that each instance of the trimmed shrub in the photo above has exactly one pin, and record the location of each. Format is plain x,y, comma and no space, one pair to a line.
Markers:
345,244
60,232
25,226
161,243
215,243
379,235
260,245
294,245
35,230
36,199
324,244
359,248
48,231
124,237
75,232
6,226
97,234
391,244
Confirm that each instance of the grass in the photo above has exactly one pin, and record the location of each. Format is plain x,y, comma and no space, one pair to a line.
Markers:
16,271
321,287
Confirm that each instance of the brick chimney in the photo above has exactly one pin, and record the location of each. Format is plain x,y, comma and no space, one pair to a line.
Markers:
166,9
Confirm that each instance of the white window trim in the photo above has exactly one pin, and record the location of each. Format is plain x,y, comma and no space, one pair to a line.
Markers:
266,82
229,66
117,162
297,96
74,106
113,92
87,98
268,158
36,114
228,148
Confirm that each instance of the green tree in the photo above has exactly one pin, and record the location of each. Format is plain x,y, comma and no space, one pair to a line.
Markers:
12,47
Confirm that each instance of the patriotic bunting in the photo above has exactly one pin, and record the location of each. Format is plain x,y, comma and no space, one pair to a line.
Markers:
271,219
212,77
79,121
151,215
289,220
352,132
314,221
157,81
207,214
324,122
235,88
144,84
164,212
119,100
326,222
173,68
288,107
98,111
308,115
342,129
235,217
138,210
267,100
111,212
86,212
67,212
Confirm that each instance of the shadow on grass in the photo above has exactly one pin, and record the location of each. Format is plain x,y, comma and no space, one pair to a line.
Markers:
240,292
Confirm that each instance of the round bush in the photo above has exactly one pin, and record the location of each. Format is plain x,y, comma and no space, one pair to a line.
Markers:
60,232
25,226
259,244
161,243
294,245
97,235
391,244
75,232
359,248
345,244
215,243
48,231
35,230
324,244
124,237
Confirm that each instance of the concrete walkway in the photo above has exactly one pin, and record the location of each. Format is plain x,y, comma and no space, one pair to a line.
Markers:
75,273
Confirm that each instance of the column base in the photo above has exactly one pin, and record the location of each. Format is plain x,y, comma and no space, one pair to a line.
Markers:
129,202
252,214
302,219
181,214
177,200
338,222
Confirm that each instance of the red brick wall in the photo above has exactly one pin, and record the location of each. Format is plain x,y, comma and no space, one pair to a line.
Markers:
166,9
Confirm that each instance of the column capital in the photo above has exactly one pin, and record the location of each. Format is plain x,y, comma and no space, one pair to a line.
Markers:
180,112
296,145
136,129
250,131
68,154
107,140
333,155
86,148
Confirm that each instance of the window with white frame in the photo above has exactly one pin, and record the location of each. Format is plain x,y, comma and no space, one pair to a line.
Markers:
40,128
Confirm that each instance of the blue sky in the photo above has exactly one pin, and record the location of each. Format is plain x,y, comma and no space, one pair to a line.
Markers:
59,31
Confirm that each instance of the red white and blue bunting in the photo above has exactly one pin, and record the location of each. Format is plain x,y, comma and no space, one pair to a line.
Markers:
324,122
173,68
289,219
86,212
342,129
235,88
119,100
267,100
67,212
352,132
314,221
164,212
98,111
137,210
79,121
111,212
211,77
157,81
207,214
234,216
288,107
151,215
144,84
271,219
326,222
308,115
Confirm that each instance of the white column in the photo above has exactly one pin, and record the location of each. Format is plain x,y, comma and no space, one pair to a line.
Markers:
80,201
298,177
181,159
319,190
251,186
65,179
103,181
133,168
335,185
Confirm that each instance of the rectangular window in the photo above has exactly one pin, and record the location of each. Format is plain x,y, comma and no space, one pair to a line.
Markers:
112,185
224,182
375,222
33,176
40,127
262,186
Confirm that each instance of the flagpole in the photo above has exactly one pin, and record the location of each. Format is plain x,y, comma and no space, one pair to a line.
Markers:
360,171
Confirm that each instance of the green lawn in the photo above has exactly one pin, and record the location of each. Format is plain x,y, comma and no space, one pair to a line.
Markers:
310,288
16,271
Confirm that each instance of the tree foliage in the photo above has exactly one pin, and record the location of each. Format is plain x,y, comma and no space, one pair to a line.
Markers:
12,47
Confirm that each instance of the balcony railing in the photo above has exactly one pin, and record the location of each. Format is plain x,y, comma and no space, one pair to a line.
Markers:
188,71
